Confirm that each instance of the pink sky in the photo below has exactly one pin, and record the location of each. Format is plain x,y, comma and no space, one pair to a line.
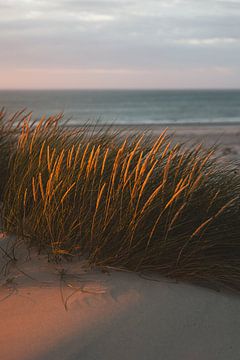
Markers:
120,44
123,78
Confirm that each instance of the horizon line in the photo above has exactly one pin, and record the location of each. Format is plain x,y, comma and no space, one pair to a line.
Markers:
121,89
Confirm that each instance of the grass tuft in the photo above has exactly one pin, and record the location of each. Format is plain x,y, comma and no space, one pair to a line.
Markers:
129,202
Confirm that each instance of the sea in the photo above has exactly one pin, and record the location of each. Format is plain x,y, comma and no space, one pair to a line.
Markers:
129,107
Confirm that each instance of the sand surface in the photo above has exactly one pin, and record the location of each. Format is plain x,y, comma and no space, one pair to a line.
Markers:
63,312
227,137
66,313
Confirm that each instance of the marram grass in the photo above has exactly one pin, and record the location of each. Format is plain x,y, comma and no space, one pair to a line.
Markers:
121,202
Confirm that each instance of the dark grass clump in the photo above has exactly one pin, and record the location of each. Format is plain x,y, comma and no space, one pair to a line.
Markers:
8,130
132,203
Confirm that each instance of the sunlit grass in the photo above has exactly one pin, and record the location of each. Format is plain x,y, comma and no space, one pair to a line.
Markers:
136,203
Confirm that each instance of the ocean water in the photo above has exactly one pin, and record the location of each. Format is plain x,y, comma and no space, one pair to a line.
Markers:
130,106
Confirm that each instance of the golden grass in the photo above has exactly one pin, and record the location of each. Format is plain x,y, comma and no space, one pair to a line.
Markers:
129,202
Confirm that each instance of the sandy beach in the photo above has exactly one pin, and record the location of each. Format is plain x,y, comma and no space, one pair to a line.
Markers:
90,315
61,311
120,180
227,137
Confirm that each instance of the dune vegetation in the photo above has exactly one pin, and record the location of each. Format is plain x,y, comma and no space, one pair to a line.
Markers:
135,202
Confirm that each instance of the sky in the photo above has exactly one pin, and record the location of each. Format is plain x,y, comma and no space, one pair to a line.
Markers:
170,44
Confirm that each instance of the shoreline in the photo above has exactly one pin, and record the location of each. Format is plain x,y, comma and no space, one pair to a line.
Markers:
162,125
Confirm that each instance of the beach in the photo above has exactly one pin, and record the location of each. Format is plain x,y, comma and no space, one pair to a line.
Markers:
225,136
120,180
120,315
63,311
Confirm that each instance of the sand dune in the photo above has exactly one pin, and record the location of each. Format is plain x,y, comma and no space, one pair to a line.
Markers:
64,312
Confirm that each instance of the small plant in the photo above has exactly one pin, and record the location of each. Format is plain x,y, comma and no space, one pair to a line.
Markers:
126,202
7,132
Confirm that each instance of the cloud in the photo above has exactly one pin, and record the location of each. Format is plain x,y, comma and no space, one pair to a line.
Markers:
119,34
209,41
